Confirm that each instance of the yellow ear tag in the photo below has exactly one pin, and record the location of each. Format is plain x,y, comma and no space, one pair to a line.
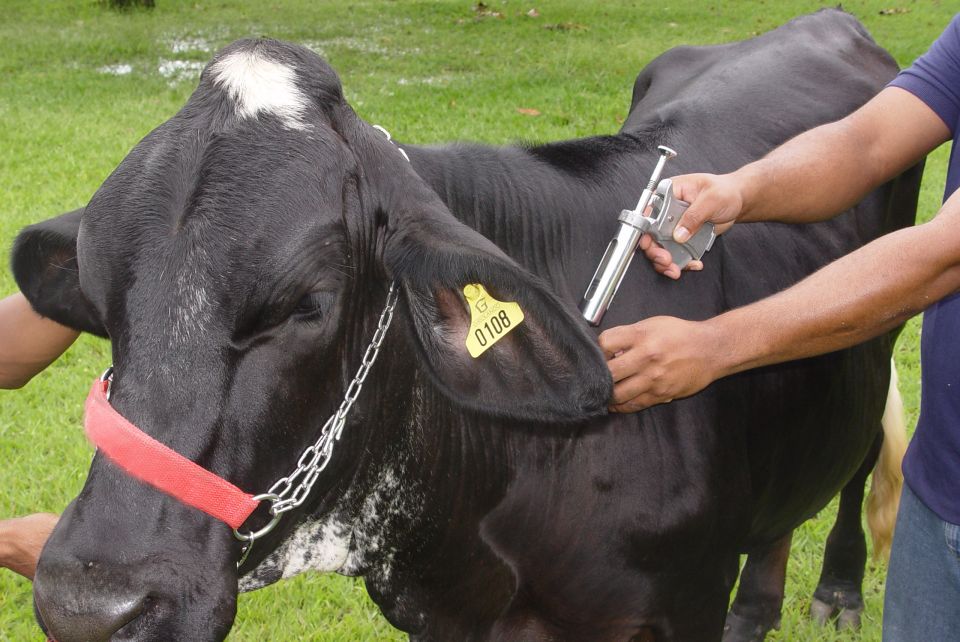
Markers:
490,320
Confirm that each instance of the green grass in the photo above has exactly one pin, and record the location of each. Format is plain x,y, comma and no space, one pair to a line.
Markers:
428,71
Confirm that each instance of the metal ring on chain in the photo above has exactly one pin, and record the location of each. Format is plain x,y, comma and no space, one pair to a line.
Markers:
249,537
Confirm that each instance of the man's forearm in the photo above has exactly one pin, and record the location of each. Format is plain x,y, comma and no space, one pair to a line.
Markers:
28,342
11,554
22,539
7,548
830,168
802,182
851,300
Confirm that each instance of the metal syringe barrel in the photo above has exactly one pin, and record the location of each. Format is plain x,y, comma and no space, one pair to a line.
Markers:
613,266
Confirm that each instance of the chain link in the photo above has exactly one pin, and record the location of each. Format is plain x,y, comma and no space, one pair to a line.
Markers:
291,491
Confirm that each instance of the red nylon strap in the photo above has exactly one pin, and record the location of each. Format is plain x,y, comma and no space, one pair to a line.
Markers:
145,458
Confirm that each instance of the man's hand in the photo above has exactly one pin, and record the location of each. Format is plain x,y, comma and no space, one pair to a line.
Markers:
658,360
714,198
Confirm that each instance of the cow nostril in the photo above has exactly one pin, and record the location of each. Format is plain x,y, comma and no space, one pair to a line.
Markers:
122,613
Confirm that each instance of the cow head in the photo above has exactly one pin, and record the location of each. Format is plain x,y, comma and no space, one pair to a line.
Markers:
238,259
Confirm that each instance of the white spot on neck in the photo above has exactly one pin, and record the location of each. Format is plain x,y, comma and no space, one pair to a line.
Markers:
337,543
257,84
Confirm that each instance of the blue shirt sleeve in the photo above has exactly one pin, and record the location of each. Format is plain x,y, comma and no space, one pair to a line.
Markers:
934,77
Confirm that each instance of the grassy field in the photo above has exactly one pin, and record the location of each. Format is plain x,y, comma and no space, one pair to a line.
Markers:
80,85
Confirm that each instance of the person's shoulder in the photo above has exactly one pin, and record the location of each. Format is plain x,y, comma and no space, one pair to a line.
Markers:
952,33
949,41
935,76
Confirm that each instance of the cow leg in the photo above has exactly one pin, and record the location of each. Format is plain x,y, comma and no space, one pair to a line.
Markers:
839,592
756,609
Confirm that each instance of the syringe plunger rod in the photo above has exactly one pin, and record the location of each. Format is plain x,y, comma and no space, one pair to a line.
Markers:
665,154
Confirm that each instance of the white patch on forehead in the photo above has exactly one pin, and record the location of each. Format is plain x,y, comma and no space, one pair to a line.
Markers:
257,84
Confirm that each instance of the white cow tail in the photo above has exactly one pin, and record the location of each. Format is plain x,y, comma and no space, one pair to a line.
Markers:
884,498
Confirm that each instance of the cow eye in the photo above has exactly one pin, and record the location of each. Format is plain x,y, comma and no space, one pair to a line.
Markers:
313,305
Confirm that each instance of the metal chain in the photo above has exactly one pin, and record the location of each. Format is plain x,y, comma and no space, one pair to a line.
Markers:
291,491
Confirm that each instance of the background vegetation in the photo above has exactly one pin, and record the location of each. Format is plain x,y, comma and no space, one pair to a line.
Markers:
80,84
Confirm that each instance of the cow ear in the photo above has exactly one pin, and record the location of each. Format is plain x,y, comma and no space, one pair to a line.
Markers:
45,268
545,368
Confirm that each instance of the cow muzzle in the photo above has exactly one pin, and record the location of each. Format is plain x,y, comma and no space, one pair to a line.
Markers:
69,611
79,600
172,578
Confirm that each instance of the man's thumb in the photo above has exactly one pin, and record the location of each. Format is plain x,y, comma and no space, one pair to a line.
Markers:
687,226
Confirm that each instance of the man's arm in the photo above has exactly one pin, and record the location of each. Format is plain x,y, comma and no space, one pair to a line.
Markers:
28,342
849,301
813,176
22,539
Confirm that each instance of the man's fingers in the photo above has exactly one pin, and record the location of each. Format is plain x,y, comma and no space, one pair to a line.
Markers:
687,187
635,393
659,257
625,408
640,402
657,254
615,340
637,390
629,389
622,369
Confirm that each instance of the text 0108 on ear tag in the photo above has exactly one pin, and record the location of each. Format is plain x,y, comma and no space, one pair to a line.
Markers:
490,320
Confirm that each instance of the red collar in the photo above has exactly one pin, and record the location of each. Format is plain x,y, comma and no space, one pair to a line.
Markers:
145,458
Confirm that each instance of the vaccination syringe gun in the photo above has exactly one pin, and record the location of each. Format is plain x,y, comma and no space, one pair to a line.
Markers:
665,212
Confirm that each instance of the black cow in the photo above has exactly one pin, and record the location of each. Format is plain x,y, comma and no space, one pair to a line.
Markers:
240,256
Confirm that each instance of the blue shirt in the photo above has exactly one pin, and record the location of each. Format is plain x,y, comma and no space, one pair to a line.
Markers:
932,464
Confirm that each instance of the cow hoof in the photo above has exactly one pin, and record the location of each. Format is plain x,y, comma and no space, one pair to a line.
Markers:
821,612
849,620
738,628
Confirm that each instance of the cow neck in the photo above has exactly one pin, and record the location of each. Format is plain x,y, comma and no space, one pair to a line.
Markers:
156,464
520,197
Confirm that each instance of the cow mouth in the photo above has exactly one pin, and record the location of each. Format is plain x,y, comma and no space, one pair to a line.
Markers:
143,620
131,619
